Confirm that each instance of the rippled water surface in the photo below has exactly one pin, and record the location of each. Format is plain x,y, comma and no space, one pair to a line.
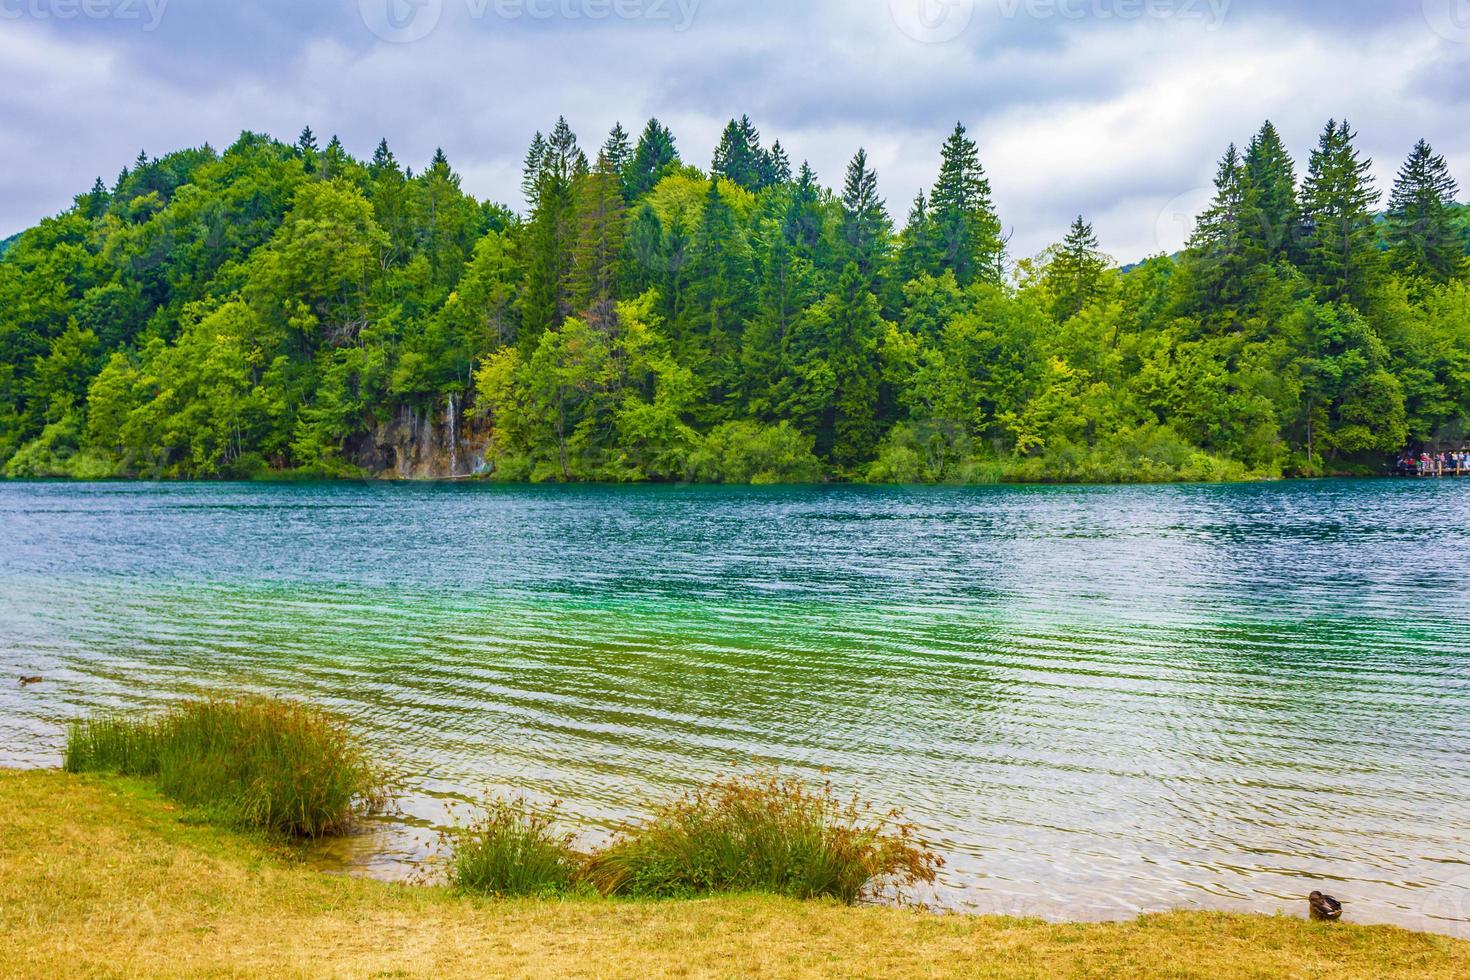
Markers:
1095,701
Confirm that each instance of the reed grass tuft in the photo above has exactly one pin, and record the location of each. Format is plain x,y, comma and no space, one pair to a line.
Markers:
249,761
513,850
766,834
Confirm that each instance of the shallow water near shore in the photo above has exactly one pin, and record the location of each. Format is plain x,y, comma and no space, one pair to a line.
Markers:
1095,701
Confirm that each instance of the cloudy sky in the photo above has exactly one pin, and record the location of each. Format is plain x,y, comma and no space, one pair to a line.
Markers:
1117,109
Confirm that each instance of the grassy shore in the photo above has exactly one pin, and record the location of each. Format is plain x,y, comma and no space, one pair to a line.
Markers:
103,876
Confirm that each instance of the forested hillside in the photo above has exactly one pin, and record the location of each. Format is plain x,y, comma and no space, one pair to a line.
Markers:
288,309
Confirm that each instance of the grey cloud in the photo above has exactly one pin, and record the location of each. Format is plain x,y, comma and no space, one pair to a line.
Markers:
824,77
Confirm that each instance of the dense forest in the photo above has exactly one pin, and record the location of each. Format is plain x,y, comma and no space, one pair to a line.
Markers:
281,309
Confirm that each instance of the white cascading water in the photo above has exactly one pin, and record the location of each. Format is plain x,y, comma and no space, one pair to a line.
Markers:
453,435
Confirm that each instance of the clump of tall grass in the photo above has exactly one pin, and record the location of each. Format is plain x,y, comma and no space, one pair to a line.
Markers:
513,850
249,761
766,834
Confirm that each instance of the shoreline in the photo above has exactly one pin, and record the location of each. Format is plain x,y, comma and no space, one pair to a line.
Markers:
101,874
388,481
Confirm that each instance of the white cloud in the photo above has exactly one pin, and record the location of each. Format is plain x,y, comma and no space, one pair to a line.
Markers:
1113,119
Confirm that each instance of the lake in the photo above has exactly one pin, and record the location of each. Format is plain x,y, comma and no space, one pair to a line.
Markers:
1094,701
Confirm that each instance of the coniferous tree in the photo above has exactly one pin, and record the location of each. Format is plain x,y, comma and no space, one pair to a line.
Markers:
596,260
307,148
764,170
334,158
383,159
787,288
1221,252
865,222
1075,269
829,369
652,160
855,363
552,233
737,157
644,244
802,224
389,193
918,254
967,229
1341,248
617,149
780,164
531,169
719,277
1422,235
1273,221
95,203
444,226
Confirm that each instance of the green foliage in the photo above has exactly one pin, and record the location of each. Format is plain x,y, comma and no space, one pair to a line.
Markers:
273,308
250,762
771,835
749,452
1422,235
1342,253
512,850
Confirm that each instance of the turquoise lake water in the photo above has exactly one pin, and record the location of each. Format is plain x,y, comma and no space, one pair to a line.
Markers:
1094,701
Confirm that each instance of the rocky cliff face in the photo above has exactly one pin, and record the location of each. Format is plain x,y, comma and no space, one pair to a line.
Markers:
438,444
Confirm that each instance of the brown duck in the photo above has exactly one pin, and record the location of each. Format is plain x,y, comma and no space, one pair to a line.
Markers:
28,681
1325,908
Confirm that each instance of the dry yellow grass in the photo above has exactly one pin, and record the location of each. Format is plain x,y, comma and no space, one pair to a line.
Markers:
103,877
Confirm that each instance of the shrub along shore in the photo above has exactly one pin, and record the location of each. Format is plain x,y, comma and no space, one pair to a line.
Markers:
102,871
101,875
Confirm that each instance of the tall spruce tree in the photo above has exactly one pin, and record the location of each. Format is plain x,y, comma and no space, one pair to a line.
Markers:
1273,221
738,155
596,260
389,193
551,234
780,164
1341,243
787,286
443,224
617,149
865,223
1221,253
653,158
966,226
531,169
829,371
1422,232
719,282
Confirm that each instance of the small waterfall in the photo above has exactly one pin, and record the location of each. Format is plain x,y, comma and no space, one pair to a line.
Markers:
405,452
453,434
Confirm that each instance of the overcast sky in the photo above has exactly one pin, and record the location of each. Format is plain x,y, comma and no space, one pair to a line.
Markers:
1117,109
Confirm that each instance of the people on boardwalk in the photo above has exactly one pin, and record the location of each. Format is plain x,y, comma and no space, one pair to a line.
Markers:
1426,463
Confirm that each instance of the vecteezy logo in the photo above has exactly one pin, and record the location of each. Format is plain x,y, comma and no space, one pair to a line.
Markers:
1450,19
932,21
401,21
1175,223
